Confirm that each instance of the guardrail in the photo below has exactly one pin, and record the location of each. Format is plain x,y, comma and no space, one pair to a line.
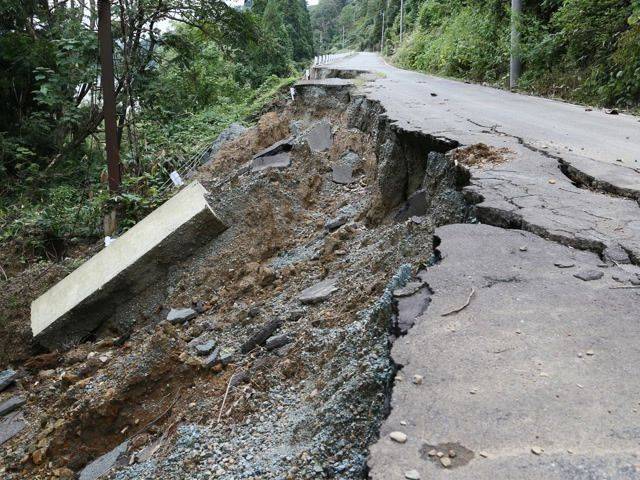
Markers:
324,59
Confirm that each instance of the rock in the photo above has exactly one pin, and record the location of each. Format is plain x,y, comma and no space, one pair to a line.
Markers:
212,359
412,475
283,146
11,425
7,377
179,315
295,315
226,357
101,465
417,379
352,159
232,132
335,223
319,292
277,341
206,347
261,336
342,174
64,473
483,454
398,437
589,275
38,455
564,264
319,136
536,450
46,374
445,461
11,404
415,206
432,452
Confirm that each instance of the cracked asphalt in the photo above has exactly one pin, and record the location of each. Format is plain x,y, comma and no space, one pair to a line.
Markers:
538,376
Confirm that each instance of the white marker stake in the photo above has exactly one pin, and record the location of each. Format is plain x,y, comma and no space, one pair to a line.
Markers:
108,241
293,93
307,75
176,179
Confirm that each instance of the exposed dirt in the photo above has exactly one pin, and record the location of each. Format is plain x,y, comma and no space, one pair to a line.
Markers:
481,154
307,409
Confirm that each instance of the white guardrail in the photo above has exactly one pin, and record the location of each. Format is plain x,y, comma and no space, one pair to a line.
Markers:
324,59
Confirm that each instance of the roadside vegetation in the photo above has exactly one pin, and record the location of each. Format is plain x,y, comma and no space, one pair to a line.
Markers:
184,71
580,50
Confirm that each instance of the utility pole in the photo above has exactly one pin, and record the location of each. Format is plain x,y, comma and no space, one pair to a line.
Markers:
109,106
515,63
401,19
382,34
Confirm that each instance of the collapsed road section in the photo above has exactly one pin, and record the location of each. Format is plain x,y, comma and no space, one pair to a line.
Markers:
355,319
527,354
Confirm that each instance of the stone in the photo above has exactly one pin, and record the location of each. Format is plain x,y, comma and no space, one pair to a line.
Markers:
64,473
415,206
84,299
412,475
589,275
445,461
103,464
432,452
11,404
180,315
319,292
38,455
212,359
278,341
398,437
335,223
11,426
261,335
206,347
230,133
7,377
536,450
417,379
319,137
564,264
342,174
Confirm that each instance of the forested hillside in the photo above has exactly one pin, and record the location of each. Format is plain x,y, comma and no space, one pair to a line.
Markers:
583,50
184,70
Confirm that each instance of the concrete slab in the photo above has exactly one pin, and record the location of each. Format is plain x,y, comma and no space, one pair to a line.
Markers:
537,378
79,303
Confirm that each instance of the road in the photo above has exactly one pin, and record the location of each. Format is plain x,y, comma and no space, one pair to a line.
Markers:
545,123
527,356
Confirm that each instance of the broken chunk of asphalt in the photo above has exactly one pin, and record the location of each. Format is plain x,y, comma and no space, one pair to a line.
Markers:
7,377
11,426
101,465
564,264
589,275
616,254
319,292
319,136
179,315
11,404
261,336
280,160
278,341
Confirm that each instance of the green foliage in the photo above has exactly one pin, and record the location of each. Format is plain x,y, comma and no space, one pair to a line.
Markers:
581,50
177,90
